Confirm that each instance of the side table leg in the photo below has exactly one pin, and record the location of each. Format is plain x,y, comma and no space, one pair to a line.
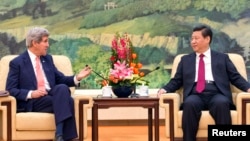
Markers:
156,119
150,125
95,122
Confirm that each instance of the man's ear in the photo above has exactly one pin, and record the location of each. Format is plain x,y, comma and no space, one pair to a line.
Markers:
208,39
33,43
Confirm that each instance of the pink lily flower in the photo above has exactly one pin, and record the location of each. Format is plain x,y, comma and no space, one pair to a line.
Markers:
121,71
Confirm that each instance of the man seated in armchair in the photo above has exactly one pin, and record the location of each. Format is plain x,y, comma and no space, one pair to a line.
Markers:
38,86
205,76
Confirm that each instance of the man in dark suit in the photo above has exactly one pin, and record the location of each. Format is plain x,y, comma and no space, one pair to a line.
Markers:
48,93
215,94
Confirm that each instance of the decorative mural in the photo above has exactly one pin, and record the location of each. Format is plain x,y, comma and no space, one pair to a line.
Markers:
158,29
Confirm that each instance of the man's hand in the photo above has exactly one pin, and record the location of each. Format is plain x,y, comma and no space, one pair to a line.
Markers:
83,73
248,90
160,91
38,93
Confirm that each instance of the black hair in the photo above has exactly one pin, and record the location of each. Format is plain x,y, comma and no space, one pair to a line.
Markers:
205,31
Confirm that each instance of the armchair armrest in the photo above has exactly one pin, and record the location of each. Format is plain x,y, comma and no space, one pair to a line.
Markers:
242,104
82,104
248,114
171,102
7,109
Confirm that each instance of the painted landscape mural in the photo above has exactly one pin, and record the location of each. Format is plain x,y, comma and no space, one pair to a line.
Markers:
159,30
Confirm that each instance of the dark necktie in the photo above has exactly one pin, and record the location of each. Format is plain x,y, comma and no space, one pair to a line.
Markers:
200,86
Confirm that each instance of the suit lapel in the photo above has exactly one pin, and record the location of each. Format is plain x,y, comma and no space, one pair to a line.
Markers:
29,68
192,62
214,61
46,68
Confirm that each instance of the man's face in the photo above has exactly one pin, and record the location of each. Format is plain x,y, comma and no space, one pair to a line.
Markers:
199,43
41,47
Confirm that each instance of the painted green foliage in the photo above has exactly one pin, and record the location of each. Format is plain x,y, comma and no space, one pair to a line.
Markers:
172,19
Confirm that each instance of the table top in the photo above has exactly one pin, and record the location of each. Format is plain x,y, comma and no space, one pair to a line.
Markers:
125,99
145,102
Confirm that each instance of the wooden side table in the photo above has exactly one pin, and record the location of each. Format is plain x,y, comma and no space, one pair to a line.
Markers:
148,102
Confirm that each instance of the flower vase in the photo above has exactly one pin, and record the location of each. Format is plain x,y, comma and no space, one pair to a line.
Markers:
122,91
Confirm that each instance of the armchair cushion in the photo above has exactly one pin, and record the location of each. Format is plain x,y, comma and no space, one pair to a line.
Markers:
35,121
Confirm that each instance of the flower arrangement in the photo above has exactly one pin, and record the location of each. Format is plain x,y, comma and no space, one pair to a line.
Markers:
125,68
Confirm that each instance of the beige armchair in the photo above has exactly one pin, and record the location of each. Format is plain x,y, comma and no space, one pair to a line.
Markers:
173,116
33,125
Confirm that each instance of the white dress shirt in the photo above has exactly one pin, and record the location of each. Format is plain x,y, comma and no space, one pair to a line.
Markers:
208,65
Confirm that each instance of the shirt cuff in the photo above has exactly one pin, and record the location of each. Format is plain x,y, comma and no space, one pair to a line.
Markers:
29,95
76,81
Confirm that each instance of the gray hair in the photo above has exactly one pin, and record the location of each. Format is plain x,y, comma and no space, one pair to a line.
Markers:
36,34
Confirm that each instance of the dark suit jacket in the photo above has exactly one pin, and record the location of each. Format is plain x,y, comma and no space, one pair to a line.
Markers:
223,71
21,77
